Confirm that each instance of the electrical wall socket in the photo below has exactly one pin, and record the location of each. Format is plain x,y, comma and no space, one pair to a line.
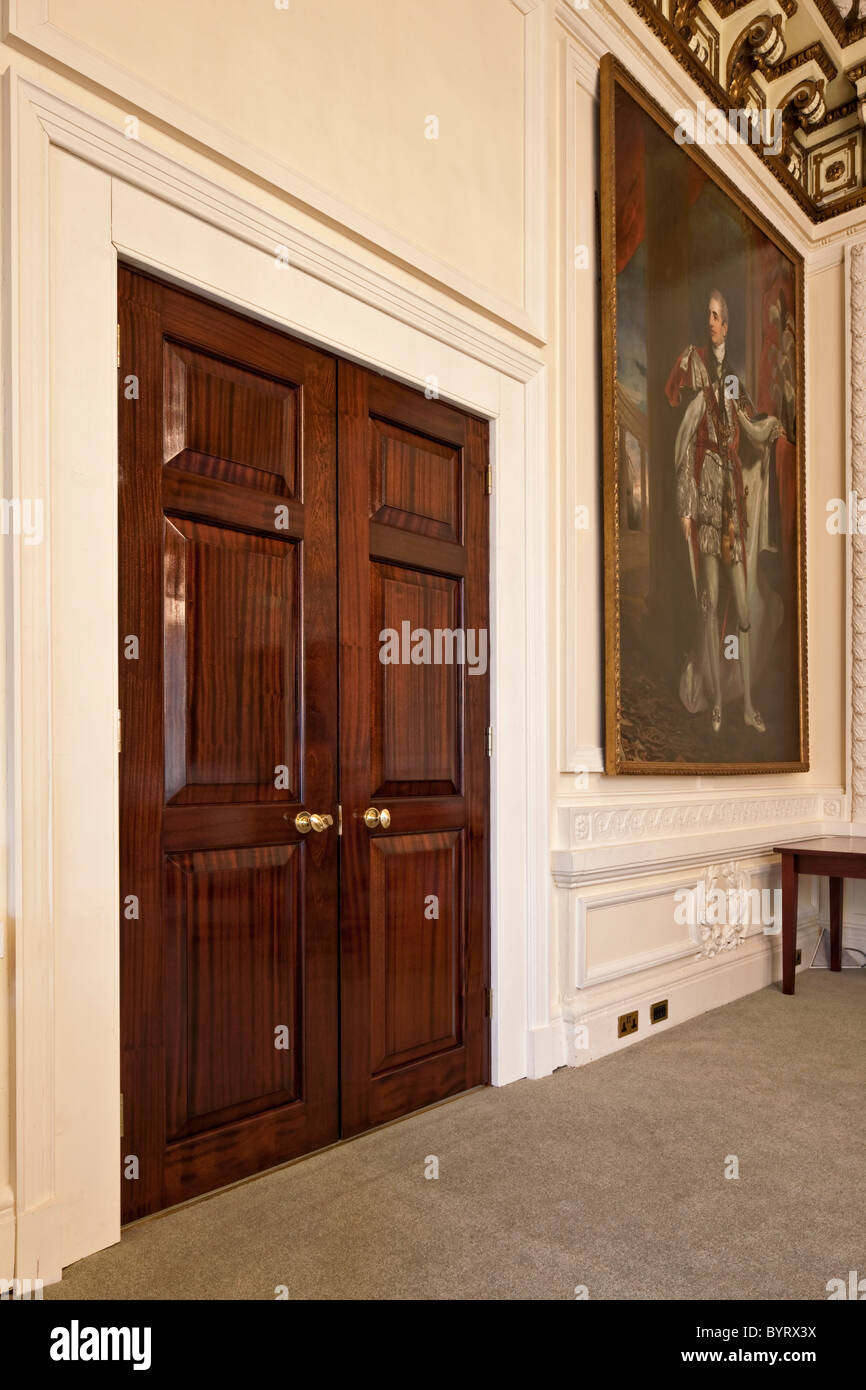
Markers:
626,1024
659,1011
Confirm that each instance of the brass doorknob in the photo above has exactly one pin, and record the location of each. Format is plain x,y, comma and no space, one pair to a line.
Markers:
305,821
372,818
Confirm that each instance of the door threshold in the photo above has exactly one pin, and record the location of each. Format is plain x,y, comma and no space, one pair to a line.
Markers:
301,1158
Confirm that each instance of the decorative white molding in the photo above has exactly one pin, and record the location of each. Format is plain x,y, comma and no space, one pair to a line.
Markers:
174,222
71,128
537,728
733,876
28,23
607,824
825,256
644,857
733,881
535,181
749,870
585,760
27,585
856,397
579,719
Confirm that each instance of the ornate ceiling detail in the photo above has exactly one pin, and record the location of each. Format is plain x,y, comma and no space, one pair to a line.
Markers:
800,67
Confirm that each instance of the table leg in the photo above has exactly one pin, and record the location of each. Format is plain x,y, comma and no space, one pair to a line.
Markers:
835,924
789,921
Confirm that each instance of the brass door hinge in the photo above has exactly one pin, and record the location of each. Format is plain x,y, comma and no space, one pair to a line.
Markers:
339,820
121,1114
488,479
118,345
488,1003
119,731
488,741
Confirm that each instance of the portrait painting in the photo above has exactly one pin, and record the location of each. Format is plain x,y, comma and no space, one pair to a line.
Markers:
704,554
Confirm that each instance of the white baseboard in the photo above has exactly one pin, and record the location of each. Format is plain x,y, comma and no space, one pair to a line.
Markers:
39,1250
7,1233
548,1048
691,987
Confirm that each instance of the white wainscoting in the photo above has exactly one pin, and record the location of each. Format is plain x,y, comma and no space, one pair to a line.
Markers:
604,982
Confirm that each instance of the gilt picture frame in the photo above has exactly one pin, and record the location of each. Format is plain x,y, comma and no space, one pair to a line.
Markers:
704,459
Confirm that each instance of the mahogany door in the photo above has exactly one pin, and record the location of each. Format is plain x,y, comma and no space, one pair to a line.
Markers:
228,677
414,893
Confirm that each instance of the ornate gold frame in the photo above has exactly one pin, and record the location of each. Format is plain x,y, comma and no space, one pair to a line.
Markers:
613,74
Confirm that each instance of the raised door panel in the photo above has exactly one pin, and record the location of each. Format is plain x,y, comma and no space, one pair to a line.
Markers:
225,422
417,483
233,973
232,632
417,903
417,687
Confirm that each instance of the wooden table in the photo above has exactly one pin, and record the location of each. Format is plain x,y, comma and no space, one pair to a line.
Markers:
837,856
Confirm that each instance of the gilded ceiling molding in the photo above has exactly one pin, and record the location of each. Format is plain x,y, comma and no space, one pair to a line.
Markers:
725,8
815,52
843,28
760,45
849,108
739,66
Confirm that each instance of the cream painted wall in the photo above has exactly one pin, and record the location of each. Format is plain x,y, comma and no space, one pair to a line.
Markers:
827,431
341,92
623,846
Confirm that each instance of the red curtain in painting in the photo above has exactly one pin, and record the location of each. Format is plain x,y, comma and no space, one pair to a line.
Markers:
778,367
630,181
631,127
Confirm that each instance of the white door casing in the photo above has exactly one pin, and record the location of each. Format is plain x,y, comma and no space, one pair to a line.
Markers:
79,196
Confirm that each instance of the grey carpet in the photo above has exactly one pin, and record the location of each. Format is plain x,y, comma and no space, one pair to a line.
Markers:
609,1176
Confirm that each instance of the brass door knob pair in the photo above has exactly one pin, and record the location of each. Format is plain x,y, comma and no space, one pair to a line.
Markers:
305,821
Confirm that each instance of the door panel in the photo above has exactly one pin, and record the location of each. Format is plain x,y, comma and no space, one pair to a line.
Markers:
416,715
214,412
414,895
231,661
232,965
415,980
227,524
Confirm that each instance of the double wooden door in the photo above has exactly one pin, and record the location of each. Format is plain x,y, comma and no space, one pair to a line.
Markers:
304,786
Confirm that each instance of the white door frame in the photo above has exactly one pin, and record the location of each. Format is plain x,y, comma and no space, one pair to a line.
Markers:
78,195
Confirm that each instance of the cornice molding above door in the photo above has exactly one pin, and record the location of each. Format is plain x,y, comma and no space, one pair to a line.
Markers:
28,27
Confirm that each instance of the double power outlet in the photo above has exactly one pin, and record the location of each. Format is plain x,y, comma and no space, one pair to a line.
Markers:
628,1023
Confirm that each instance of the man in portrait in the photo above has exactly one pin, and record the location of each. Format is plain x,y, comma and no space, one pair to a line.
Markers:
723,503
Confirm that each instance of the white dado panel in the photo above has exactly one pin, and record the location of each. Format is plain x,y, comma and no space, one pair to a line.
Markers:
606,976
606,924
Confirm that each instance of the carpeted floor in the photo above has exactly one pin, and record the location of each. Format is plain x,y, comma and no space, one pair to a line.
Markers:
611,1176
